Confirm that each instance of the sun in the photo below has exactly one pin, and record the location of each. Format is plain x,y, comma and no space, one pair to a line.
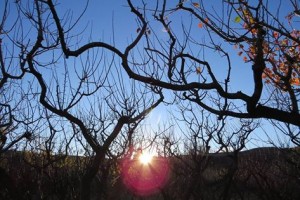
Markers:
145,158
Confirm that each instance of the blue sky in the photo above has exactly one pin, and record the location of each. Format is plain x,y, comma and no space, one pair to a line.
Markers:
112,22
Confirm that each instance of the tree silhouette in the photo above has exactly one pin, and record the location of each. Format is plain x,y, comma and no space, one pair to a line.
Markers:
235,59
86,100
268,41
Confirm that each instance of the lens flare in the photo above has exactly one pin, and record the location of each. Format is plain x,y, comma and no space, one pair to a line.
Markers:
145,158
146,174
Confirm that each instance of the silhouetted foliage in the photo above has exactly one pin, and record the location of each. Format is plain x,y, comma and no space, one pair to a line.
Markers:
72,107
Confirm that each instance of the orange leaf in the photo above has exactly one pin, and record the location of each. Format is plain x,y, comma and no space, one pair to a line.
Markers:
200,25
254,31
245,58
245,12
281,65
196,5
252,49
295,81
264,76
275,34
251,20
198,70
240,53
284,42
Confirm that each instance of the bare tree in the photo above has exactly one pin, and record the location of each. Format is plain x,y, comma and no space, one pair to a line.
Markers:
82,82
14,119
182,61
206,166
86,93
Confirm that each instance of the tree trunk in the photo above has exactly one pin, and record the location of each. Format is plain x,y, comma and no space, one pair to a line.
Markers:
91,172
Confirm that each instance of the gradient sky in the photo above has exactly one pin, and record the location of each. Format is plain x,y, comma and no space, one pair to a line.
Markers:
112,22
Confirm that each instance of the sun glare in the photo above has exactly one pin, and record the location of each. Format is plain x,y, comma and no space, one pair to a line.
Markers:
146,174
145,158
